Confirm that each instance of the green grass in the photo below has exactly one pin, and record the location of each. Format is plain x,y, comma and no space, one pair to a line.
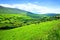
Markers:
8,21
30,26
49,30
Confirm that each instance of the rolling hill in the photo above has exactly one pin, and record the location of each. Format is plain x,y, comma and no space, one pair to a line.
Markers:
49,30
6,10
16,24
12,17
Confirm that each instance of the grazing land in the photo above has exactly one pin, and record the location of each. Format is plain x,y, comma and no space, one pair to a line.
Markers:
18,24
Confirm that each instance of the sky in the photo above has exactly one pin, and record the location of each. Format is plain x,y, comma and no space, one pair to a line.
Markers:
35,6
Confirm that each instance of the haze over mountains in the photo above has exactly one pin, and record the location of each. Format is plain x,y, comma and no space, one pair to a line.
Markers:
8,10
29,19
16,22
15,10
33,9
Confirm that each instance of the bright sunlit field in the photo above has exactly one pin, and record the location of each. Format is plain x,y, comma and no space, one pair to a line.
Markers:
49,30
19,24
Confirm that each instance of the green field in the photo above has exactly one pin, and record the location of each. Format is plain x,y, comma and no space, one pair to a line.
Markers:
9,21
49,30
16,24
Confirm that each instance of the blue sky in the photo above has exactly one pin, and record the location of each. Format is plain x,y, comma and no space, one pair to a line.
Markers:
38,5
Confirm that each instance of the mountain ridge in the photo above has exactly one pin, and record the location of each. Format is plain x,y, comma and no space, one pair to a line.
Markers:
4,10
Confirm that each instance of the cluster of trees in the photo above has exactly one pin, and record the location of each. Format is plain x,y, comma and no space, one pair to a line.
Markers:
15,21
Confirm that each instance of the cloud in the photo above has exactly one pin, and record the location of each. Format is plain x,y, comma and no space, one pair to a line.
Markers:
33,8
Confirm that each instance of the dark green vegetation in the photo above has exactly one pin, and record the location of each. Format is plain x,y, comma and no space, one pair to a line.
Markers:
18,24
8,21
12,20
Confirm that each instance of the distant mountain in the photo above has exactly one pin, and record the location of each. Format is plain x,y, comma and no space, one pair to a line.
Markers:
10,10
12,17
6,10
51,14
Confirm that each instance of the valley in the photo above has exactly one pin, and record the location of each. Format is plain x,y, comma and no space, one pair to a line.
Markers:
16,24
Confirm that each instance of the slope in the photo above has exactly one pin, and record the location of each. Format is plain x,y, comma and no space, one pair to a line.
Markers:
12,17
49,30
12,20
6,10
10,10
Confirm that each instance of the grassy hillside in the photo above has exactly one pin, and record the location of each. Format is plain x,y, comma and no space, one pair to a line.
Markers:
8,21
12,17
16,24
6,10
13,20
49,30
10,10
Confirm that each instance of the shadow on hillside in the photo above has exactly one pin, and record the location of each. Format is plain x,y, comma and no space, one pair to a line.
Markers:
6,28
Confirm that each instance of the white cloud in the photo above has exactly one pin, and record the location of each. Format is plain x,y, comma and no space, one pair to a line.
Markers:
33,8
7,5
